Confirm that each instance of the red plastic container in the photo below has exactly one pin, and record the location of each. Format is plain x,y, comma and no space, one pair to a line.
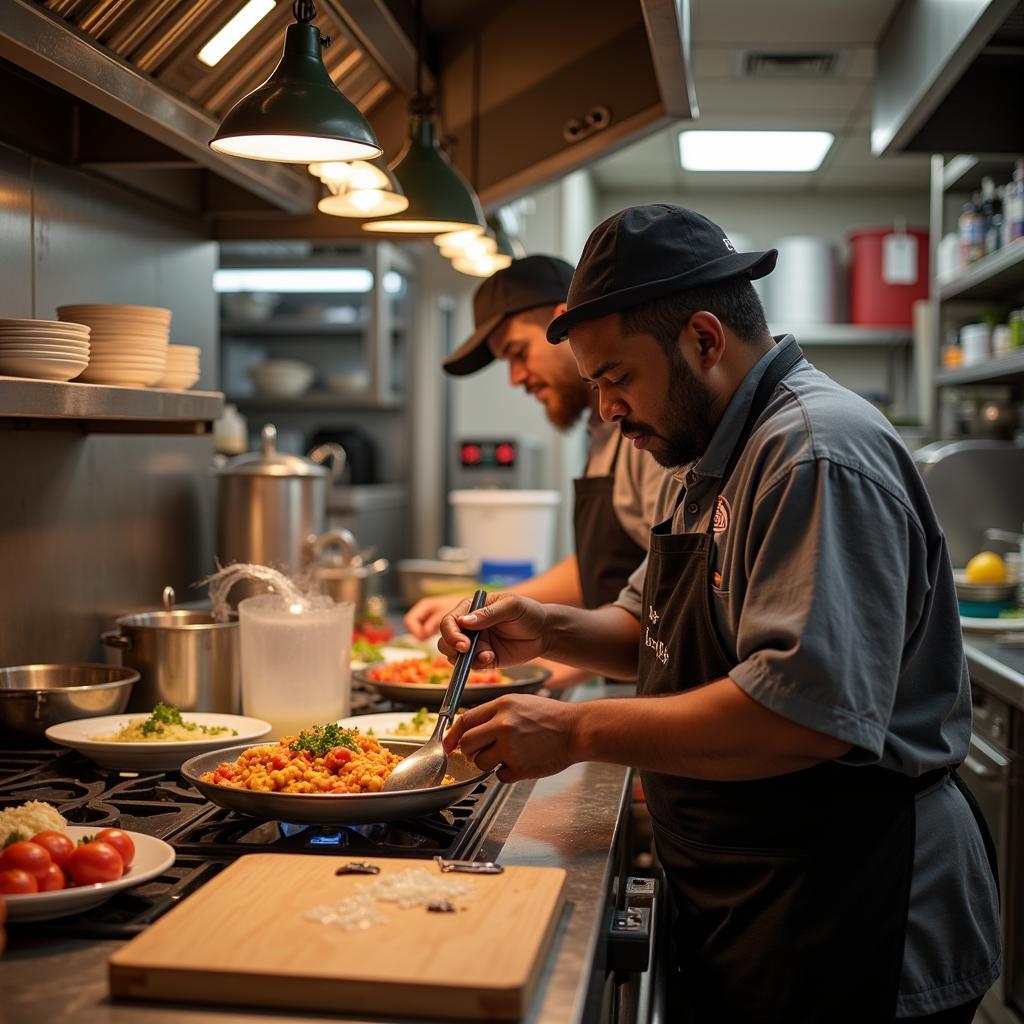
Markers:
873,300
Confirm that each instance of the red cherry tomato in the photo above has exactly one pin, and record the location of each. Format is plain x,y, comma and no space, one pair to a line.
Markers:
14,882
30,857
52,879
59,845
120,841
94,862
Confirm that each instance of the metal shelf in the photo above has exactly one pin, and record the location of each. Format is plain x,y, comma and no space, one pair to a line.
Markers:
997,370
963,173
996,276
316,400
100,408
298,328
852,335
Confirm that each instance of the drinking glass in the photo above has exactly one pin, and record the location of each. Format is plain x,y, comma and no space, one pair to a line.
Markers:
295,661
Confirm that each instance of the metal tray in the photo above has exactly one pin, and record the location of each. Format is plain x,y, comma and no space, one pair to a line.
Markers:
525,679
333,808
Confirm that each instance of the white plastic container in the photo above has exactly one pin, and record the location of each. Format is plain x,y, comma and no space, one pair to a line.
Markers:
503,524
975,343
803,288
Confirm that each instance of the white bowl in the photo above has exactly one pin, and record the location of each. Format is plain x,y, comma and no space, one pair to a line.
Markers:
348,383
177,382
46,331
43,367
114,309
6,322
282,377
55,348
129,378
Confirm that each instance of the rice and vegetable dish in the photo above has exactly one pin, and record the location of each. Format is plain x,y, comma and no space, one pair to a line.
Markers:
324,759
433,671
165,725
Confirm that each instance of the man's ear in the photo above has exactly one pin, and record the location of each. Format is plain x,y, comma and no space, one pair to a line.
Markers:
707,331
559,310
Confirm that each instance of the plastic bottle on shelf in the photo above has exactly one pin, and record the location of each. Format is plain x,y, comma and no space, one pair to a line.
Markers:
1013,206
991,210
972,232
1016,324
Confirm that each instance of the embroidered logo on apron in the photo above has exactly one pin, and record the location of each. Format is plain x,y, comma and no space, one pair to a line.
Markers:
722,515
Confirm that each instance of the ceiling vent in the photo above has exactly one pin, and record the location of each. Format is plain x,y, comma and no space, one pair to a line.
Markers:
789,64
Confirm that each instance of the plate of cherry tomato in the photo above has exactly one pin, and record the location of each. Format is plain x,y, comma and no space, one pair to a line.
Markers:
59,873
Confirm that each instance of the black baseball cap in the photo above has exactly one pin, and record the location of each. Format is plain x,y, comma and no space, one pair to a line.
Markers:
646,252
524,284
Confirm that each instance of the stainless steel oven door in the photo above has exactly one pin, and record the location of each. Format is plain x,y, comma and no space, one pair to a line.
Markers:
987,770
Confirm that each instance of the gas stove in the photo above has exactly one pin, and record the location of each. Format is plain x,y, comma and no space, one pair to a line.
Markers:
207,838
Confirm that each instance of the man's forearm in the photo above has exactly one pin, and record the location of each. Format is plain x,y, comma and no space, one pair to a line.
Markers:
602,640
713,732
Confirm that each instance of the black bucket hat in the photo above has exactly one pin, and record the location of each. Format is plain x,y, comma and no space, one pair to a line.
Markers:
646,252
524,284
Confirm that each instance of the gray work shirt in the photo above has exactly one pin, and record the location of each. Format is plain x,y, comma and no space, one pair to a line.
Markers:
832,592
637,489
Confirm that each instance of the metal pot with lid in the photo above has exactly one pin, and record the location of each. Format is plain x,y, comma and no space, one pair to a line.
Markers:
183,657
270,502
342,573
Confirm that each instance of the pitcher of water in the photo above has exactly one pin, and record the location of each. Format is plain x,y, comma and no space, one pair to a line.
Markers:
295,660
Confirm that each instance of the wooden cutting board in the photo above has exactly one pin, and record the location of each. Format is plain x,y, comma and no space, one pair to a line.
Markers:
243,939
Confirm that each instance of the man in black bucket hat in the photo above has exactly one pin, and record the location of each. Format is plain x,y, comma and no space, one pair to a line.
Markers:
802,697
615,498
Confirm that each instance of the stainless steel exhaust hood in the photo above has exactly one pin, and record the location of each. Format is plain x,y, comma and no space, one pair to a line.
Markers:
949,76
528,90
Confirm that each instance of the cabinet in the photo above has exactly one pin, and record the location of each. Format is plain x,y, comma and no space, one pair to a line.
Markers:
987,289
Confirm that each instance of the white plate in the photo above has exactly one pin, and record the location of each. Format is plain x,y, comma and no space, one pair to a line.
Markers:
385,723
152,857
7,322
995,625
122,378
15,333
76,354
114,309
42,368
154,757
127,362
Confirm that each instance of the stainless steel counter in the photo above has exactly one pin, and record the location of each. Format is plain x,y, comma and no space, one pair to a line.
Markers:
996,667
571,820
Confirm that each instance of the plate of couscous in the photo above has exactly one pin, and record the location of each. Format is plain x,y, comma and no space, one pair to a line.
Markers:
161,741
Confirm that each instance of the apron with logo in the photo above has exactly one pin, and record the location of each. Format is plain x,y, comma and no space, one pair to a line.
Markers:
791,892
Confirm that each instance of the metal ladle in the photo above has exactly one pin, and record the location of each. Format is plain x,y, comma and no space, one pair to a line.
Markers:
426,767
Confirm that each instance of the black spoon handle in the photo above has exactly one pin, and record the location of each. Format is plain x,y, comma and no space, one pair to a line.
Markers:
463,664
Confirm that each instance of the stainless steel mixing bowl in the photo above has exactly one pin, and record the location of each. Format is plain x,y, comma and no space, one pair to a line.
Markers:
34,697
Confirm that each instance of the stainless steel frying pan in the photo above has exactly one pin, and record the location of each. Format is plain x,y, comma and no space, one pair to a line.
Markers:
333,808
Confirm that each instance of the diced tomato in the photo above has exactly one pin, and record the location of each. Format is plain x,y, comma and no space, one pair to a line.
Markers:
279,761
338,757
373,632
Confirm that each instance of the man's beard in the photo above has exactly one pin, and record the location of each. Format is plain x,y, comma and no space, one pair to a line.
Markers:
565,405
689,414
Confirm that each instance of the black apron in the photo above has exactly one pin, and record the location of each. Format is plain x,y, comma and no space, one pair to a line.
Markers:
605,554
791,892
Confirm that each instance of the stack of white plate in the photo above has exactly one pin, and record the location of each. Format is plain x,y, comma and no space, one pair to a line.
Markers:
129,343
182,369
45,349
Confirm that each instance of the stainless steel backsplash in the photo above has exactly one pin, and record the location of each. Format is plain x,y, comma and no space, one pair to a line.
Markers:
95,525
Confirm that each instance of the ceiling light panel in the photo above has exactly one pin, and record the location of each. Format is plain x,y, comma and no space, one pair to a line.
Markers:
234,31
755,151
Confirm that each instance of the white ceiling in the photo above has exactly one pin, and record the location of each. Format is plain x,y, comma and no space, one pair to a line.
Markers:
840,103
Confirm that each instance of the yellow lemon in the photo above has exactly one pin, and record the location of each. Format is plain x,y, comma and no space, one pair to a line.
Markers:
987,567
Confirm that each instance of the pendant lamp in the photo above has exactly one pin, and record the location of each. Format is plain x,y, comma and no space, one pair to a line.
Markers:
440,198
362,188
297,115
481,266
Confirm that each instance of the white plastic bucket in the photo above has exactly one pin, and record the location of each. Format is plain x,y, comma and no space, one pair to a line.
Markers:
503,524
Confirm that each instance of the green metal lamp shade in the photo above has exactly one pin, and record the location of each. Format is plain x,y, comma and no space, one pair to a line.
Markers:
297,115
440,199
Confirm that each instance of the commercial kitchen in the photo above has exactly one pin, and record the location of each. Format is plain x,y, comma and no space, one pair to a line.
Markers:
299,307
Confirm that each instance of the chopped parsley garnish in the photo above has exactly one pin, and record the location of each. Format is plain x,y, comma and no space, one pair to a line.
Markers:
323,738
167,714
